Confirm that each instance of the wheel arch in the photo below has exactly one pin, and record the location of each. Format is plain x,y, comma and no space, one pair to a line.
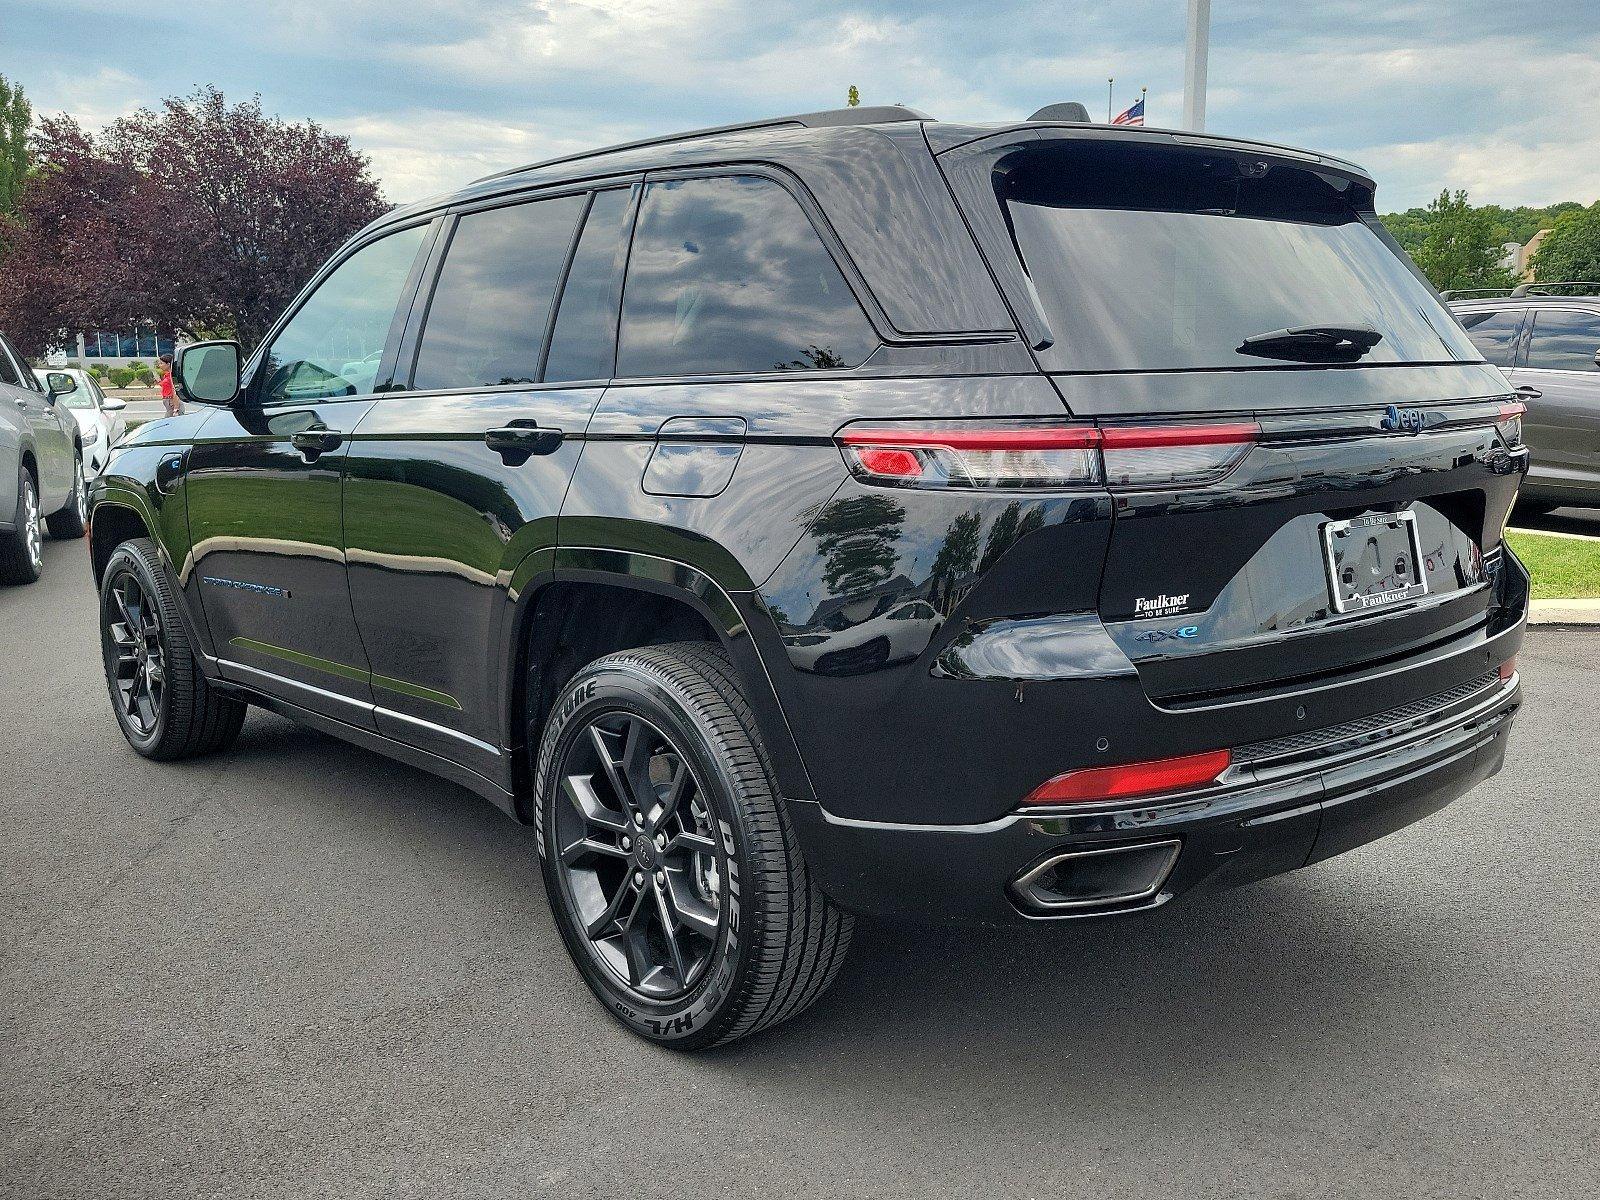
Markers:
644,599
112,522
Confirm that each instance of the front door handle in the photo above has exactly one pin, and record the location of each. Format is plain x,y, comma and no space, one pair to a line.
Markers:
1529,393
313,443
22,404
521,440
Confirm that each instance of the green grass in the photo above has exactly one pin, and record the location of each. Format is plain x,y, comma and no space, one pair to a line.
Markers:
1562,568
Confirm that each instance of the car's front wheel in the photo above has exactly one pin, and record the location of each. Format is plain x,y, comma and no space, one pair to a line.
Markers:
162,702
671,867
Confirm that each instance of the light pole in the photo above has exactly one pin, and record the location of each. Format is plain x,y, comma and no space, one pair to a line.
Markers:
1196,47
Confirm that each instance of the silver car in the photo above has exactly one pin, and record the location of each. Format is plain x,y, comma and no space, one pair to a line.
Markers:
41,466
100,420
1548,344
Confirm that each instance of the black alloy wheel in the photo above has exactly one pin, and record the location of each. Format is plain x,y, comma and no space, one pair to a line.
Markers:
639,859
674,875
137,667
163,703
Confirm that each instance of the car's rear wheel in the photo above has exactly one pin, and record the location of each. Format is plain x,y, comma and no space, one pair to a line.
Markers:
22,549
671,867
162,702
71,521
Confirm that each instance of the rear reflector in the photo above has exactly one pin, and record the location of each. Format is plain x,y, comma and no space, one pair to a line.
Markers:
1131,780
1033,455
1508,669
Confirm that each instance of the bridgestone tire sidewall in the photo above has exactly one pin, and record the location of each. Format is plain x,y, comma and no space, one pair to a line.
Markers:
697,1018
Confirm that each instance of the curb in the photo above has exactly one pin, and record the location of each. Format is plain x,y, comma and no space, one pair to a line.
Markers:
1564,612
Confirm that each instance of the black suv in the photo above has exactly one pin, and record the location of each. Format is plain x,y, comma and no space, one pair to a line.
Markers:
850,513
1546,338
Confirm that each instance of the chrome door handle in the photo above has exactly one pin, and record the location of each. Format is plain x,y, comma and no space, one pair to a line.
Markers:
1529,393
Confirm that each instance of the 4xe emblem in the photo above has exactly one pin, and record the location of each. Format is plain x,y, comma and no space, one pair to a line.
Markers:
1403,420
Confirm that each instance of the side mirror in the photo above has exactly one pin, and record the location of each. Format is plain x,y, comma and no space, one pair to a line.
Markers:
208,373
113,403
59,383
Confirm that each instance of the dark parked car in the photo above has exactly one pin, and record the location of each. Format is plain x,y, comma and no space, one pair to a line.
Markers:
41,465
1547,341
850,513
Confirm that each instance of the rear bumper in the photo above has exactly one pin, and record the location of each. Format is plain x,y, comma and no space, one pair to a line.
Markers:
1264,818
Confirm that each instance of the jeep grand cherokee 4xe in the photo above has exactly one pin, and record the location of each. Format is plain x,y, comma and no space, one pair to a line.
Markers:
849,513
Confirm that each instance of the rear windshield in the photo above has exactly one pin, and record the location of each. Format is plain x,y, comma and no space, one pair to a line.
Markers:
1146,258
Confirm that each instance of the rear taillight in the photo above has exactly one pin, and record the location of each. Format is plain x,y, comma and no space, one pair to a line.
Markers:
1508,669
1164,456
1509,423
1040,456
1130,781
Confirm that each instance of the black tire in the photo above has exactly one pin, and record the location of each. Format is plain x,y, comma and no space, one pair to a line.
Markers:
72,521
778,941
22,549
183,716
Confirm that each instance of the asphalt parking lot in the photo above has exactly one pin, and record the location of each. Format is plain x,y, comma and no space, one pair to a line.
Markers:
298,969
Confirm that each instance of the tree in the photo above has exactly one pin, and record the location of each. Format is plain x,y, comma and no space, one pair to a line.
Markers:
853,97
1460,249
1571,250
16,114
200,216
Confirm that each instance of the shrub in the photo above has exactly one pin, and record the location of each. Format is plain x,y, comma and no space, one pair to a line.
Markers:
120,377
142,373
138,364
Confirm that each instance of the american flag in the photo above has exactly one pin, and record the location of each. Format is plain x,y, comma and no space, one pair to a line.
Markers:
1132,115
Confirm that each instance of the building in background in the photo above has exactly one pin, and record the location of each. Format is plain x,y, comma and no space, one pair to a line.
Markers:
119,347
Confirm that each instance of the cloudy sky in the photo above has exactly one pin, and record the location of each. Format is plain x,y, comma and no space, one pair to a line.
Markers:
1496,96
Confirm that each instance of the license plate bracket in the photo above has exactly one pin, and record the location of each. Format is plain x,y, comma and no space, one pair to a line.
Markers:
1374,561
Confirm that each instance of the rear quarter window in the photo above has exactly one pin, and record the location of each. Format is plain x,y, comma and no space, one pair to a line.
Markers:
728,276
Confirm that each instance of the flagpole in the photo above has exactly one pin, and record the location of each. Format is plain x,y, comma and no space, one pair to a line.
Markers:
1109,81
1196,47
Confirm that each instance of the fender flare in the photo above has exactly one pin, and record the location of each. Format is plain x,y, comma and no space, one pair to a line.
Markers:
721,609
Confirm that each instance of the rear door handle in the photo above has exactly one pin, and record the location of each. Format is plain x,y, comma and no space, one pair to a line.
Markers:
521,440
313,443
1529,393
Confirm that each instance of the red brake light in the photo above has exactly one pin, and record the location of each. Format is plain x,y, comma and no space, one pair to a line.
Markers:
972,456
1032,455
1131,780
1508,669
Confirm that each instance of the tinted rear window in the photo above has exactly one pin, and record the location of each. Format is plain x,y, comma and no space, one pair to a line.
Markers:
491,307
1145,258
728,276
1564,341
585,338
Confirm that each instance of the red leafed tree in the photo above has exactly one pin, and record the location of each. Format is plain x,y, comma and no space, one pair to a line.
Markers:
198,217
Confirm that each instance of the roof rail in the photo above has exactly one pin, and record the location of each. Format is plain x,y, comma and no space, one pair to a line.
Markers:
1539,288
882,114
1458,293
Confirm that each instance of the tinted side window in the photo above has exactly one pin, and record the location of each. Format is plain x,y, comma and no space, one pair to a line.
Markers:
728,276
1564,341
491,307
585,336
8,373
1493,333
333,344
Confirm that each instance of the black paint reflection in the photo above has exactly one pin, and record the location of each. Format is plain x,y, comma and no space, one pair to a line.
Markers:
880,593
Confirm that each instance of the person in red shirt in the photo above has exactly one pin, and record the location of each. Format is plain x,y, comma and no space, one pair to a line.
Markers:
169,394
